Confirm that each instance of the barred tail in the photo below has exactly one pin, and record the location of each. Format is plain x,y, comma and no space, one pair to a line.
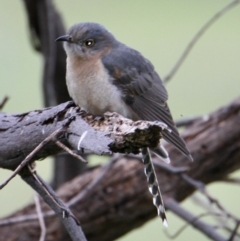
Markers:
153,185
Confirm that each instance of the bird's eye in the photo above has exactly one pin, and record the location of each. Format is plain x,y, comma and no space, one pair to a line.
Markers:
89,42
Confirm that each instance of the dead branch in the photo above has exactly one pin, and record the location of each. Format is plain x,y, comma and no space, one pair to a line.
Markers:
36,129
40,217
120,201
3,102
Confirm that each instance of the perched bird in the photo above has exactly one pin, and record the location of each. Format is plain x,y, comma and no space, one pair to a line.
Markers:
104,74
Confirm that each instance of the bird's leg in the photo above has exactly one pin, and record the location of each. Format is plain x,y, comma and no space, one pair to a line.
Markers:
153,185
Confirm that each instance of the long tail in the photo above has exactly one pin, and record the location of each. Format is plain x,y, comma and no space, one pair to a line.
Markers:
153,185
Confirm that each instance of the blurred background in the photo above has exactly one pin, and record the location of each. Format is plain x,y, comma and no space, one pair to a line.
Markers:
208,79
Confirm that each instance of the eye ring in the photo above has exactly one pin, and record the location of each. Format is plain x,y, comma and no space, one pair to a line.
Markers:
89,42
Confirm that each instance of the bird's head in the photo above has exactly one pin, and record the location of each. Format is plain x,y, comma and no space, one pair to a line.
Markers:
88,40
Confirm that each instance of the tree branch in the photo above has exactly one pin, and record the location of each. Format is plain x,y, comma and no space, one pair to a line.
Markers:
121,197
35,129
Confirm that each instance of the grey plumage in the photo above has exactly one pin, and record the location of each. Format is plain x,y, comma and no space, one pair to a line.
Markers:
142,89
106,75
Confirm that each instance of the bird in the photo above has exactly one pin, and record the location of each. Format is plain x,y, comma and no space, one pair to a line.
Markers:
103,74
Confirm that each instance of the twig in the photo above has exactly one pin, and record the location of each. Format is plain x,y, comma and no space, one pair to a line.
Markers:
24,218
35,150
201,187
29,156
172,205
45,188
74,200
186,121
234,233
232,180
3,102
197,37
73,228
186,225
225,216
91,186
40,218
229,230
197,184
65,211
70,152
169,168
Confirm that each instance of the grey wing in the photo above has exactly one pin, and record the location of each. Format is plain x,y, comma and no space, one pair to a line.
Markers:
142,90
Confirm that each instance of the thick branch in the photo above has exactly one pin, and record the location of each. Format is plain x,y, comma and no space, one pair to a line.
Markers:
120,201
113,133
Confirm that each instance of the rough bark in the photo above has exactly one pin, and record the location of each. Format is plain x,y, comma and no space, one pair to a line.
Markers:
113,133
112,200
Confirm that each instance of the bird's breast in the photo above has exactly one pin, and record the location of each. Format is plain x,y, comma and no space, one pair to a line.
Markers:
89,86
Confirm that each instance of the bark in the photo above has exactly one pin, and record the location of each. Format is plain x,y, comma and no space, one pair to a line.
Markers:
112,200
112,133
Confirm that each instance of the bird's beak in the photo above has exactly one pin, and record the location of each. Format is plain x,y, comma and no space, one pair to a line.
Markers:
65,38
